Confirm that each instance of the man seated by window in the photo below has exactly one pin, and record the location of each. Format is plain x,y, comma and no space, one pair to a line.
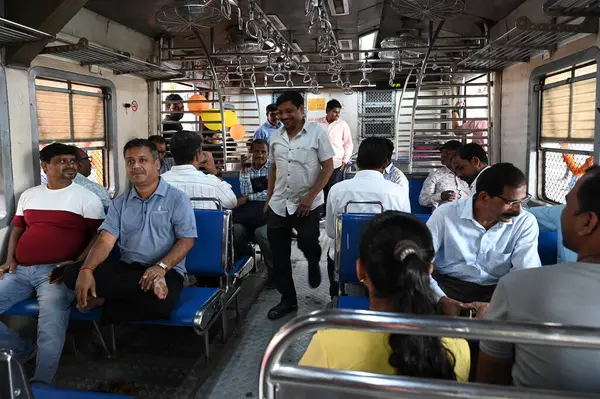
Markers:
273,123
186,148
442,185
480,239
566,294
84,170
391,172
250,223
154,226
549,219
166,163
367,185
55,224
468,163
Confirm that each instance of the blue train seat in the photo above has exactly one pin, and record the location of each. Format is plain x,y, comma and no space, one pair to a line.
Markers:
414,190
547,248
45,392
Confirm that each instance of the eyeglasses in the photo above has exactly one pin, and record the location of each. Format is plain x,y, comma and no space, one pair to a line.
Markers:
516,202
84,159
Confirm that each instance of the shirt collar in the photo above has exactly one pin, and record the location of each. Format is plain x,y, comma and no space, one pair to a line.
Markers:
479,174
369,173
269,124
388,170
261,168
161,190
183,167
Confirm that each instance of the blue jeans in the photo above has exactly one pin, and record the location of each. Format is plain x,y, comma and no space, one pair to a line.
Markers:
55,306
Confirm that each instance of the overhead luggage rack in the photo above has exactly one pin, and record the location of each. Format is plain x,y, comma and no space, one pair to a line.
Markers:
572,8
524,41
14,33
87,53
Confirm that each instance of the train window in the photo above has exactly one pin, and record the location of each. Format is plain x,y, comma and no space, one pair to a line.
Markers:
6,175
566,128
74,113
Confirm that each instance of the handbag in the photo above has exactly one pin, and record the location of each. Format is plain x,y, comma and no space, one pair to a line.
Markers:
250,214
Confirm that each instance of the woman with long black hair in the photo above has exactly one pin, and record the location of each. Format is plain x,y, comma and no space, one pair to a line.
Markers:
394,263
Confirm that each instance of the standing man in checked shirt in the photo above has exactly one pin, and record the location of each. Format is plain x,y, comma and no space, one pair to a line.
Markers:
442,185
250,223
301,165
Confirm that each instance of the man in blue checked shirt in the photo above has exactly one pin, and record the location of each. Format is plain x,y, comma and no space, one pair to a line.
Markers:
273,123
250,224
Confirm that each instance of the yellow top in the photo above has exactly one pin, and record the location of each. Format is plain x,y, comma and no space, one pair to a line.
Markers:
370,352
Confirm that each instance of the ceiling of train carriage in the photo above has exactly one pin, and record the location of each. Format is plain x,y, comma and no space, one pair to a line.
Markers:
364,16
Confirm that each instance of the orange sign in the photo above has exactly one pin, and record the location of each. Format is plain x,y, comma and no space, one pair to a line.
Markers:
316,104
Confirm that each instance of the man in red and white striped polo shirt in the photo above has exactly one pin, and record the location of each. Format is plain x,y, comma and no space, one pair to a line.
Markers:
55,224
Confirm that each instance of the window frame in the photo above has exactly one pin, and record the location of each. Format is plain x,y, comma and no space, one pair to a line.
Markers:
5,153
535,157
110,115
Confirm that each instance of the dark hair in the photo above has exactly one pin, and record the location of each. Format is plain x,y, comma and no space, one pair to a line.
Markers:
173,97
79,151
292,96
589,191
271,108
156,139
139,143
389,148
184,146
372,154
451,145
331,104
55,150
472,150
396,249
496,177
259,141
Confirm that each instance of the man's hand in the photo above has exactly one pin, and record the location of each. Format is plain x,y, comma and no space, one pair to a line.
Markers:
8,267
450,307
305,205
449,196
460,103
480,307
61,264
209,163
266,209
85,285
242,200
152,275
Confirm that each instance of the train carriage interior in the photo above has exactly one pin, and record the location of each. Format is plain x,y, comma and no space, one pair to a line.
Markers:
517,77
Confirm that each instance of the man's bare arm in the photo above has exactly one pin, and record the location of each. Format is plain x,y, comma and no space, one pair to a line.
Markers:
323,179
100,249
178,252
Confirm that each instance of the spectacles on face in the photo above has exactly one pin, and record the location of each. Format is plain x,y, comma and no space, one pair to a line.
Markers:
516,202
84,159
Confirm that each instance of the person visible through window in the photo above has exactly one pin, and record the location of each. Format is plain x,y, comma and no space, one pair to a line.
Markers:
367,185
166,163
54,225
249,219
155,228
301,165
394,264
564,294
549,219
442,185
273,123
476,127
468,163
84,170
186,148
480,239
175,108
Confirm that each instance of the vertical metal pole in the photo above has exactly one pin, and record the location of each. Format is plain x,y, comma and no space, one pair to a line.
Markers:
217,90
161,43
400,110
433,36
490,120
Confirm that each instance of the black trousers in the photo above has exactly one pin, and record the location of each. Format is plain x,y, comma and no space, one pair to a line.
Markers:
336,177
125,301
334,286
464,291
279,231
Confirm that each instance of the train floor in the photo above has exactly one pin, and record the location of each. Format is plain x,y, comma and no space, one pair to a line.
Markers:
169,362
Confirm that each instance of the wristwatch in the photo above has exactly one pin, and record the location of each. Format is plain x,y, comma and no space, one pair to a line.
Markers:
163,266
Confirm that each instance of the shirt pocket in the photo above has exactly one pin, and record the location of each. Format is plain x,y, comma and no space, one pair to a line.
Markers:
160,222
497,263
306,156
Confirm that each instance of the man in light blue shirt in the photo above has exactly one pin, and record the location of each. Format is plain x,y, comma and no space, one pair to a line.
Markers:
548,218
155,228
480,239
273,123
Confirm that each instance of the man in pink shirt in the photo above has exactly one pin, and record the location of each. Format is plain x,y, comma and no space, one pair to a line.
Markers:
340,137
470,124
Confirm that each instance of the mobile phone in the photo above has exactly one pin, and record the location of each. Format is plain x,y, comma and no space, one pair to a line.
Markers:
471,313
56,274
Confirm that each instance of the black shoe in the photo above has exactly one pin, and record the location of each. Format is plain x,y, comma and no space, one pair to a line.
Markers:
270,284
282,309
314,275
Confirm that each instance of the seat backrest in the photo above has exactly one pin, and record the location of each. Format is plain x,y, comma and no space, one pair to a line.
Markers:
547,247
350,226
210,253
414,190
234,181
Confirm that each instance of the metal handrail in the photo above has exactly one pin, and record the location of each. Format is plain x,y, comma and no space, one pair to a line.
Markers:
217,201
438,326
363,203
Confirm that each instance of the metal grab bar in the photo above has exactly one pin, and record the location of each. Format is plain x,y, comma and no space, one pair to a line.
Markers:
437,326
363,203
217,201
